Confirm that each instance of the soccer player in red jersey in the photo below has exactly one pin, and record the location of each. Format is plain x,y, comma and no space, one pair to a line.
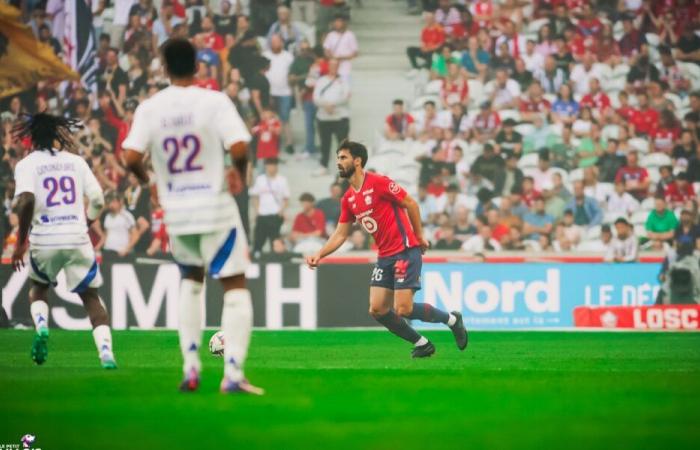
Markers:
392,217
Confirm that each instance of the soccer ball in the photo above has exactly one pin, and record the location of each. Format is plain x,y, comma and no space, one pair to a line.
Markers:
216,344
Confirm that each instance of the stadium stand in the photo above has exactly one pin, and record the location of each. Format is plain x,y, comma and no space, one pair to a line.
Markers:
515,101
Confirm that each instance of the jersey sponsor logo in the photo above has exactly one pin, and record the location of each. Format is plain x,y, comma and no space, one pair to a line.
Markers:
369,224
368,200
394,188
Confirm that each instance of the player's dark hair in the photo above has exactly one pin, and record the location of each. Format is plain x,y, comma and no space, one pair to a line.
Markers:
45,129
398,101
356,150
180,58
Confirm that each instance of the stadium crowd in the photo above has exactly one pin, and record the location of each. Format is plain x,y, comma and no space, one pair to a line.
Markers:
538,125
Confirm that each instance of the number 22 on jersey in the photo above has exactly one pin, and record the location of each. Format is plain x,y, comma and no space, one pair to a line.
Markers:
182,153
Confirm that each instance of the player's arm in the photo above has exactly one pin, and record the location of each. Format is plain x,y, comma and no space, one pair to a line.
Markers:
235,136
413,212
25,212
341,233
239,156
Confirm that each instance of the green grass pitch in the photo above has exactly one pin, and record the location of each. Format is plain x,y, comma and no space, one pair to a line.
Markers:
345,389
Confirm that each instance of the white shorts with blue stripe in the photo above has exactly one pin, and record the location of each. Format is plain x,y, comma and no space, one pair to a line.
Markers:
78,264
221,253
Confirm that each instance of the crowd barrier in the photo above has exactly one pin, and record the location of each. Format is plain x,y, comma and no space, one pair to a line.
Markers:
501,295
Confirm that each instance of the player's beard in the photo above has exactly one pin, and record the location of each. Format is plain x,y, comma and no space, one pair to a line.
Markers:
346,173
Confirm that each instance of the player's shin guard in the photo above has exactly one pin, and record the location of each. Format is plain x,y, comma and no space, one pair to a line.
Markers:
40,315
236,323
428,313
190,323
394,323
103,339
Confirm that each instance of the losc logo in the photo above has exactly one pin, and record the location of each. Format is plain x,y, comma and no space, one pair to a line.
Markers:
666,318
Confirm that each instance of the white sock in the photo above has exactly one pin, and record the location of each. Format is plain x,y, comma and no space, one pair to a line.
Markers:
237,324
421,341
40,314
103,339
190,323
452,320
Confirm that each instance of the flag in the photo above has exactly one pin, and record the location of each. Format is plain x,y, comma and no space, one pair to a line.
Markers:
24,61
79,42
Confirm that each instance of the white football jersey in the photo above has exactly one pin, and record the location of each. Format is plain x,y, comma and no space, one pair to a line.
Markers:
187,131
59,182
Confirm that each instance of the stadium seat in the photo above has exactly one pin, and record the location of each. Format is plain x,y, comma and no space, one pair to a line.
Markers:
656,160
576,175
307,30
639,217
592,233
433,88
639,144
610,217
692,71
509,114
640,230
420,101
535,25
588,246
610,132
525,129
654,177
647,204
528,161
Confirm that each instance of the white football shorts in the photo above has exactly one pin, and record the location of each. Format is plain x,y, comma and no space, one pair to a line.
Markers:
79,265
222,253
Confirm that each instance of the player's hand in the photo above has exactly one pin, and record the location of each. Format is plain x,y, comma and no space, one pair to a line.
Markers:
235,183
424,244
18,256
313,260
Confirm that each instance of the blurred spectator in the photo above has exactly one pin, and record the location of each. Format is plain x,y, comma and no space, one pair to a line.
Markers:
661,224
163,25
341,45
635,178
308,66
565,109
601,244
688,231
270,193
309,224
489,165
543,173
509,141
330,206
610,162
553,204
679,191
568,233
632,39
447,240
447,15
486,123
510,177
331,96
620,202
455,88
399,124
624,247
358,239
537,222
432,38
503,91
138,203
280,90
259,87
120,233
475,60
482,240
586,210
267,134
225,19
284,27
685,149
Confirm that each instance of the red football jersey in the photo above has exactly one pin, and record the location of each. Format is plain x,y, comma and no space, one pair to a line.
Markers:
376,206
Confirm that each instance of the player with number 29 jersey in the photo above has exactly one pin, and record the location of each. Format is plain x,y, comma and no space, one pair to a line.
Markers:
185,130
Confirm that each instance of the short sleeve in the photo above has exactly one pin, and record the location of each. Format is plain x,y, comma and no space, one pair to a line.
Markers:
346,214
138,138
285,189
229,125
24,181
129,218
390,190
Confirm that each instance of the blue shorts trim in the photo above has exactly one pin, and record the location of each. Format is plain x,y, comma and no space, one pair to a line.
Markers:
223,254
399,271
92,273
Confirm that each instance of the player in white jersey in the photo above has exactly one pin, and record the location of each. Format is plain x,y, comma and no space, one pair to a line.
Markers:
186,130
50,184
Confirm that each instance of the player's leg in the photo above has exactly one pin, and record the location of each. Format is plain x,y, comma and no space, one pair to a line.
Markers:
226,254
44,265
186,253
407,271
83,277
380,299
39,308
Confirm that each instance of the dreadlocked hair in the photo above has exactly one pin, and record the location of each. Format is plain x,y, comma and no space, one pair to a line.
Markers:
45,129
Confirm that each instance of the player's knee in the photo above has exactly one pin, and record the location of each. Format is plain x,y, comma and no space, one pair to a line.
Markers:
404,310
377,312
